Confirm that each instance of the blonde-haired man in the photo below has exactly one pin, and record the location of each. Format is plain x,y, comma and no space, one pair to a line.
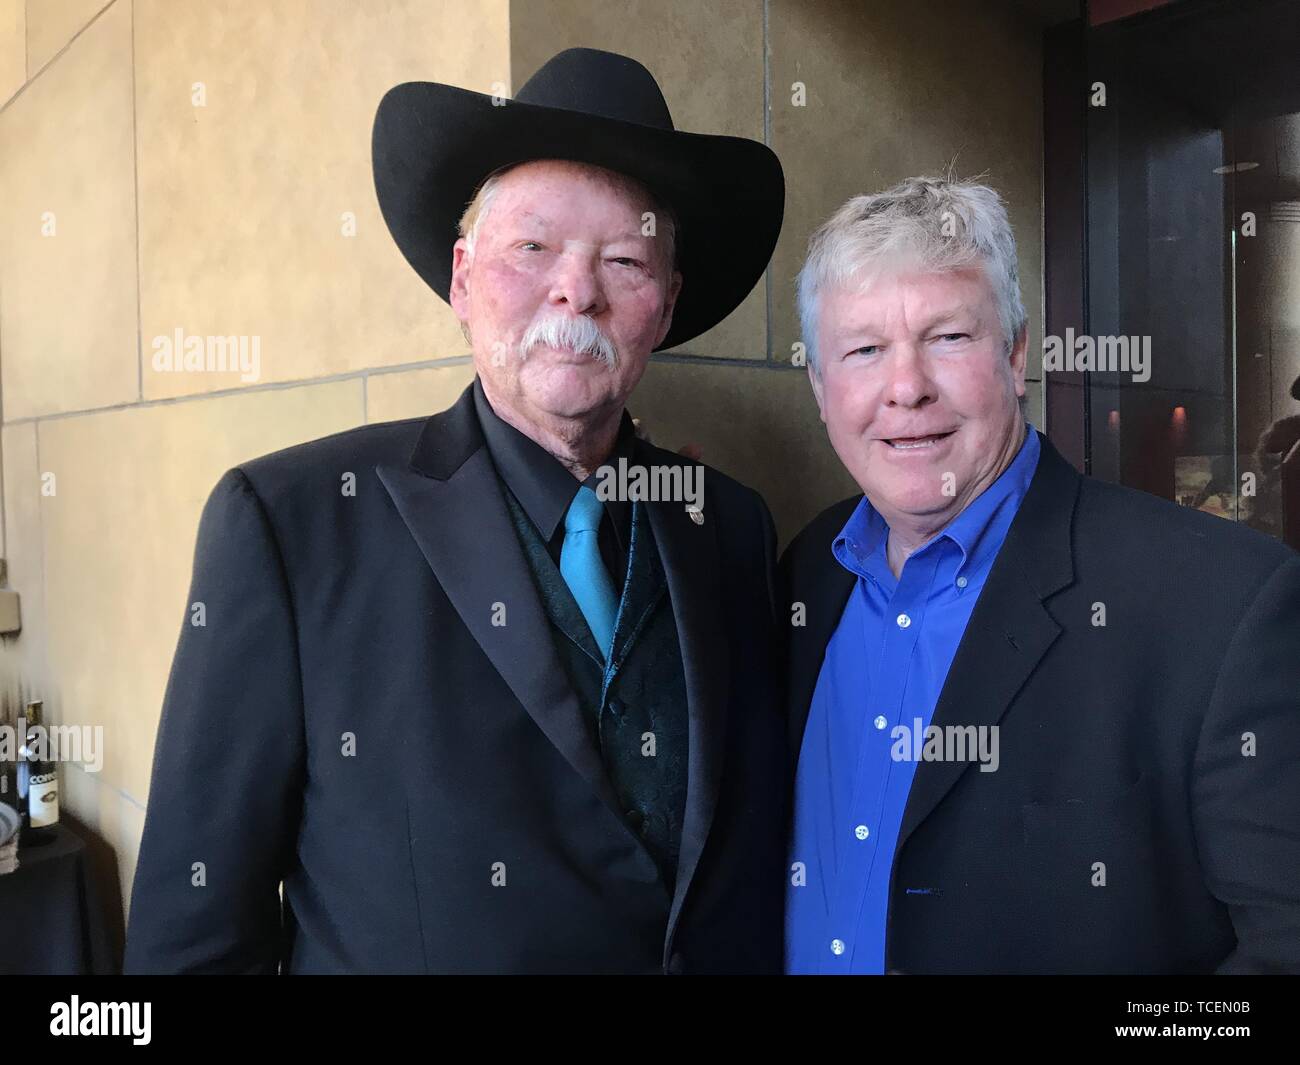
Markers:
1044,723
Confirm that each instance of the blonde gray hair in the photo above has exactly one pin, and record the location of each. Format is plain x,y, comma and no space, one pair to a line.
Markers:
928,222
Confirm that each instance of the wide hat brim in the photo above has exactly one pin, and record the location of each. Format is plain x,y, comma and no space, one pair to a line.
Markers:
433,144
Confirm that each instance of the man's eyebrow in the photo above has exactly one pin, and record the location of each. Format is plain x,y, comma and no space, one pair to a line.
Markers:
852,327
855,327
532,217
858,320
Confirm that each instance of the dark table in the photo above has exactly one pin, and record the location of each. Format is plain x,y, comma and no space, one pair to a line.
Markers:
51,920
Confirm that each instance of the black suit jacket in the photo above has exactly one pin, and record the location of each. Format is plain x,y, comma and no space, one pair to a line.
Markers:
1120,744
374,713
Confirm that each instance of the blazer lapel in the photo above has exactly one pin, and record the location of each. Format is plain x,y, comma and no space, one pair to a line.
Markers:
823,587
1009,630
689,552
452,503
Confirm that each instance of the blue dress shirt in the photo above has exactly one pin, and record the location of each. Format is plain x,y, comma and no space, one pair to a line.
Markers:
884,668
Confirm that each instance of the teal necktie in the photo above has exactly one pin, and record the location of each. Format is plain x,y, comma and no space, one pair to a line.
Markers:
582,568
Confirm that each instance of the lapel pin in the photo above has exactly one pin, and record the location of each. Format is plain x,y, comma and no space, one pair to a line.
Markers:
696,514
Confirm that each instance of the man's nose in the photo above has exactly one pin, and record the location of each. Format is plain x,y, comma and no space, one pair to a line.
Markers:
909,383
576,282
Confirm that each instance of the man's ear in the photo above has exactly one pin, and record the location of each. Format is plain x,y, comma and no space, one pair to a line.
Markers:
458,297
1018,359
816,380
670,302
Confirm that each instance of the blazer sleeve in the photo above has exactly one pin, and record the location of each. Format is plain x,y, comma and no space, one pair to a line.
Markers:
1246,783
225,796
769,558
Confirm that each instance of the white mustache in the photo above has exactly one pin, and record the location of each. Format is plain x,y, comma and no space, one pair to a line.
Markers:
580,335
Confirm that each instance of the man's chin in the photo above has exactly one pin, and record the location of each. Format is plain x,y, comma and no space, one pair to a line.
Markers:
566,395
909,502
570,389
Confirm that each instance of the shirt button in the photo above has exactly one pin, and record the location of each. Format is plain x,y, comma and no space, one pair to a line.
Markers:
880,721
862,831
837,946
962,582
904,621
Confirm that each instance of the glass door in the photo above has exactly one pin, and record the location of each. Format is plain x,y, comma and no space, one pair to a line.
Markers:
1193,258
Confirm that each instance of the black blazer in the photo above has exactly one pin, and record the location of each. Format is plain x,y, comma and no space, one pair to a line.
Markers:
354,718
1120,744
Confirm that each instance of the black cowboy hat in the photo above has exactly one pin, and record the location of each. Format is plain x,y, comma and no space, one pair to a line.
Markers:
434,144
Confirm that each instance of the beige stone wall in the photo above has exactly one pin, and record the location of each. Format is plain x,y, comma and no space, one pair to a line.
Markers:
203,166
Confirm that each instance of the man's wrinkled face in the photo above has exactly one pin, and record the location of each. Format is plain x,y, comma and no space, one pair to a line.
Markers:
918,391
564,241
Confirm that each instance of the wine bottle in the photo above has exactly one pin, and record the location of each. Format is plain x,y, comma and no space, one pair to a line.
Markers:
42,779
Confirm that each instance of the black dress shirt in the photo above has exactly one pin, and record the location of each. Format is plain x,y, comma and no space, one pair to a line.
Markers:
545,488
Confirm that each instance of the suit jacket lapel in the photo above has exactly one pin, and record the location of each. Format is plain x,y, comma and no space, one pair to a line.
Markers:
823,587
1010,629
452,502
689,553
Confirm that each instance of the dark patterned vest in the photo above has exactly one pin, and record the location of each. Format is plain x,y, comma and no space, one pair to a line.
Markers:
635,706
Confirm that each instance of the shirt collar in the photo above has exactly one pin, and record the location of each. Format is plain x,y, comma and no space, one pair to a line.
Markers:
980,529
977,532
544,488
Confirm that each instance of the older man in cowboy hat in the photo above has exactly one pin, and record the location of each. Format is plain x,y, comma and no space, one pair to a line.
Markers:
488,712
